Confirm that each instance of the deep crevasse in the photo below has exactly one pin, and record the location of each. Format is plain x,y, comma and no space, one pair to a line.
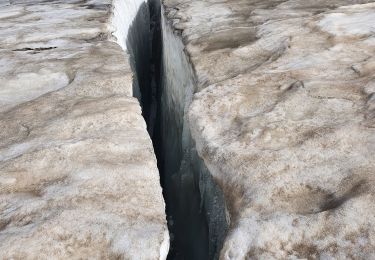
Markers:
195,204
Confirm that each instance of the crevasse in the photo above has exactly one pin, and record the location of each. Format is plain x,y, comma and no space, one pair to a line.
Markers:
194,202
164,82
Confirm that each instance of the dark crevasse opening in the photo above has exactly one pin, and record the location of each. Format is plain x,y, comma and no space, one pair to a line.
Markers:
164,84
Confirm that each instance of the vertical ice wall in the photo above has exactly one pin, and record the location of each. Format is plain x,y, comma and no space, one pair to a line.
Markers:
124,12
130,23
194,201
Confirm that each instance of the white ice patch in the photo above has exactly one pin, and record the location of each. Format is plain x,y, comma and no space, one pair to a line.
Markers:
28,86
357,24
164,248
124,12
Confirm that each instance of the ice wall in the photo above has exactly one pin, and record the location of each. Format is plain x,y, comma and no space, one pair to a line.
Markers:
130,24
194,202
122,18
